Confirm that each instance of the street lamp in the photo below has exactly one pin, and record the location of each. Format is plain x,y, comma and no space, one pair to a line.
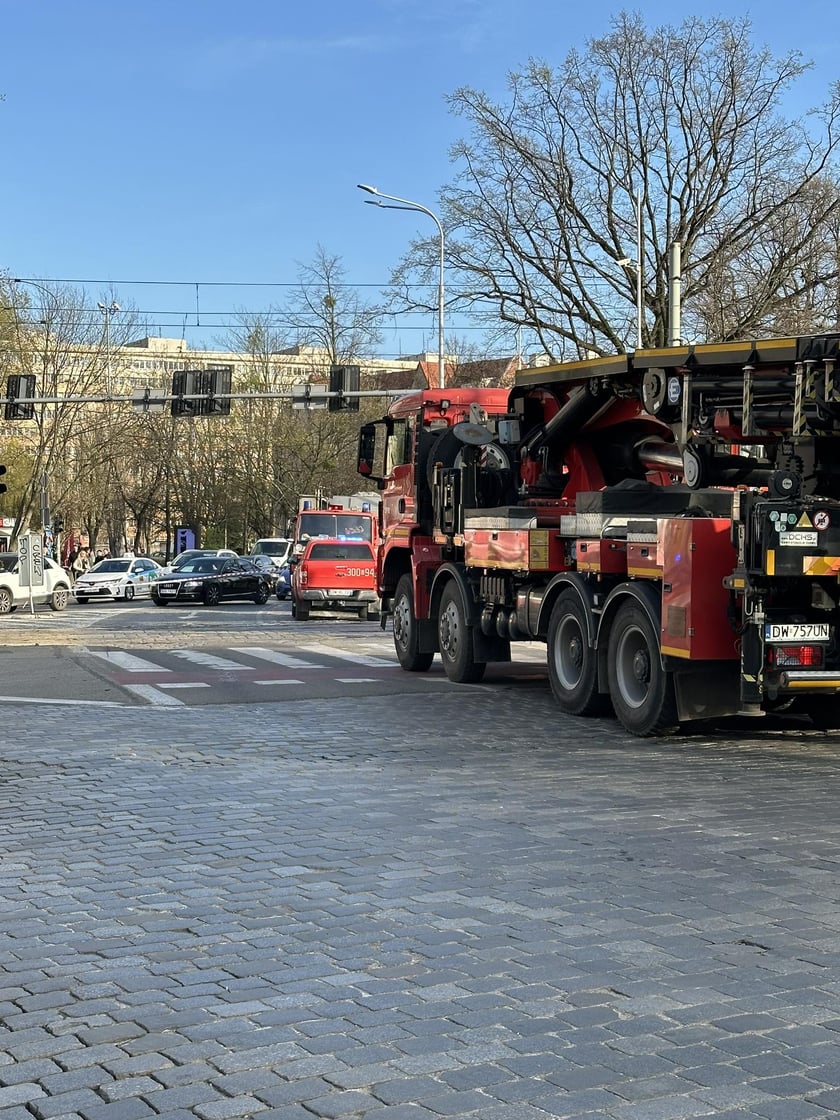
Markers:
108,310
407,204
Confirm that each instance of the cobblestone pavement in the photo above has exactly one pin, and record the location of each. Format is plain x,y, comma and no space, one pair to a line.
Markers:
462,908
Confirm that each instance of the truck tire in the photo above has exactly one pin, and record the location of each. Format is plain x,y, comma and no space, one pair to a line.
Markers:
301,611
405,630
455,639
642,692
572,663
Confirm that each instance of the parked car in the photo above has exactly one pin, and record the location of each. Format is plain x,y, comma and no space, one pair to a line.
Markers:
192,553
55,590
117,578
334,575
210,579
283,582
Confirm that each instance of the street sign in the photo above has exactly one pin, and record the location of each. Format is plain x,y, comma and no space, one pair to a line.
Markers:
307,395
31,560
148,400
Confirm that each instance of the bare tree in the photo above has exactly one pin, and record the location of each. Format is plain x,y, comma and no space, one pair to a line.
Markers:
326,312
685,124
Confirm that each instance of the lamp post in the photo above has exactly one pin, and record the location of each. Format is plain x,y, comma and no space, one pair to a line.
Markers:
407,204
108,310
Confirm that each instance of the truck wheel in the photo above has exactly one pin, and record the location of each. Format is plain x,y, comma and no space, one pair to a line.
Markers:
455,639
642,692
405,630
301,612
572,664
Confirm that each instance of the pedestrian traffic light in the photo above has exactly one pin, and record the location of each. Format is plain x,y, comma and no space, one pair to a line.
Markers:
3,486
20,385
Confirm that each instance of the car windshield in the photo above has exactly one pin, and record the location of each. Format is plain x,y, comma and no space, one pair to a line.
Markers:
111,566
271,548
202,566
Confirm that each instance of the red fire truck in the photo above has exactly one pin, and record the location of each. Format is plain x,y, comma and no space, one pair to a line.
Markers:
666,521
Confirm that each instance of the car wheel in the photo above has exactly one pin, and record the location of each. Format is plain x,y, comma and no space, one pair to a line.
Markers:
160,602
81,599
262,595
129,592
212,595
59,598
6,602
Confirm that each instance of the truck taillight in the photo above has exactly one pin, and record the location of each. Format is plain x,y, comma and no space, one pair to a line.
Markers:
802,656
304,575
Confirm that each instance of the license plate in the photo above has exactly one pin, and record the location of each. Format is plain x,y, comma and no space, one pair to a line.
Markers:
797,631
167,591
337,591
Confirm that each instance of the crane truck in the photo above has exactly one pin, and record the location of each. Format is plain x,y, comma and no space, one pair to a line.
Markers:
666,521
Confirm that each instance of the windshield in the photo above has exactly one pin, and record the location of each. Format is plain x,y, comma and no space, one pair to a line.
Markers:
335,551
343,526
271,548
111,566
203,566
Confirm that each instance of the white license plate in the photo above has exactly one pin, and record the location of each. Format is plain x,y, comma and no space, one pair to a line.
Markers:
797,631
167,591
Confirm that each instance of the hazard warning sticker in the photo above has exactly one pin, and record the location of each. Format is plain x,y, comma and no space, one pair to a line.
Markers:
821,519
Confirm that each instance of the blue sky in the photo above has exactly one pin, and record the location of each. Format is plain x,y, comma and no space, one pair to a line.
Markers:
184,142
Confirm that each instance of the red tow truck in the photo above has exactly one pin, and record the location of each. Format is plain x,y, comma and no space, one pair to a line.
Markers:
666,521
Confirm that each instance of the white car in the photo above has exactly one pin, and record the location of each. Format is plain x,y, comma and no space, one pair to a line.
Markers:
55,590
120,578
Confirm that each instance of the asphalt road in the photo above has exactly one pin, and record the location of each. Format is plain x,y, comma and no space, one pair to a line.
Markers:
407,903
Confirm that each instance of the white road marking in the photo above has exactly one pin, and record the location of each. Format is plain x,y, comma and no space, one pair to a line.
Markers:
289,681
184,684
44,700
277,658
156,698
128,661
208,660
348,655
356,680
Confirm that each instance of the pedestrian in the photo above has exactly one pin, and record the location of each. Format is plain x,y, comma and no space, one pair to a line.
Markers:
80,563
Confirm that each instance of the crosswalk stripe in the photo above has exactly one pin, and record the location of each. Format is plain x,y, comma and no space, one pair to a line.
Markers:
128,661
208,660
155,697
349,655
285,659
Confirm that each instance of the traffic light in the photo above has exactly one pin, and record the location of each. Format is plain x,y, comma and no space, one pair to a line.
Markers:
58,525
20,385
195,392
221,378
3,486
343,380
188,391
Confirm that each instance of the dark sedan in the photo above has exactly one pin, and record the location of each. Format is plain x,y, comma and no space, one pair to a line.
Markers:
210,579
